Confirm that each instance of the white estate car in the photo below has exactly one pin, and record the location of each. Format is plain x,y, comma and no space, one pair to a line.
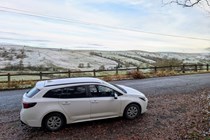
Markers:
53,103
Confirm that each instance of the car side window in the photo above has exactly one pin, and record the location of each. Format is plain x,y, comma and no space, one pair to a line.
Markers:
93,90
105,91
76,92
101,91
54,93
68,92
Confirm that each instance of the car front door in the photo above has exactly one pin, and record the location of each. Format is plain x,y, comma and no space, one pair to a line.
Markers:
102,103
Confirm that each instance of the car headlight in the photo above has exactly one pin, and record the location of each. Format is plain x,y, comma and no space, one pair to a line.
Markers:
142,98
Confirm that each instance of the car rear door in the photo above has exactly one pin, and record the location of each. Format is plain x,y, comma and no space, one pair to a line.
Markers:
76,103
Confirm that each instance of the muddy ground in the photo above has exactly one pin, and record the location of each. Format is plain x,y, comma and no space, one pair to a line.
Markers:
169,116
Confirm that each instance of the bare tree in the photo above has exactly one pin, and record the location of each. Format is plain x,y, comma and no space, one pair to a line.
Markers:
203,4
188,3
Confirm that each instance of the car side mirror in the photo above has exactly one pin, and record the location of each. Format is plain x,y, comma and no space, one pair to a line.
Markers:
115,96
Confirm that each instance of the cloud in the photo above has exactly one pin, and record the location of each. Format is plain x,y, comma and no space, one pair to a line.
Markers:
63,9
80,27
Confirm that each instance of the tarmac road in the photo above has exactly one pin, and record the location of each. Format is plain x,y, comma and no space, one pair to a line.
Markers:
11,100
152,124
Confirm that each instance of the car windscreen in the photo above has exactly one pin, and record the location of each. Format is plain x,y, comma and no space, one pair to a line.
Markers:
32,92
120,88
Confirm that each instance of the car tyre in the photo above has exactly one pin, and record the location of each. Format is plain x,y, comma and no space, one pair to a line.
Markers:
132,111
53,122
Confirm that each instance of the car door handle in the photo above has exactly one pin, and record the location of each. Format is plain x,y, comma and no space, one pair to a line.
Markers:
66,103
94,101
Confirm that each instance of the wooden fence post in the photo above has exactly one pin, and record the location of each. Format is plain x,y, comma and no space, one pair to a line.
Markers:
196,67
171,68
183,68
137,68
207,67
155,69
116,70
69,73
40,74
94,73
9,79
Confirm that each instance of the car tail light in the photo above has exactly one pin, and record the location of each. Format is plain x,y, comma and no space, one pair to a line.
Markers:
28,105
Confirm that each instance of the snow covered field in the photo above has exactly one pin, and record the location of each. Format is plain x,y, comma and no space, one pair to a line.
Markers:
84,60
69,59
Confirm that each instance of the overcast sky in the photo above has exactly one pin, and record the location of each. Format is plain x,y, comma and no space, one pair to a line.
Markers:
104,25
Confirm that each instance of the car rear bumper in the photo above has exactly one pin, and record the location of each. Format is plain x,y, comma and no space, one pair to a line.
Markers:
25,116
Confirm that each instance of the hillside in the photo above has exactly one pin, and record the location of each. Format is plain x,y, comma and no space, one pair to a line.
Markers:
22,56
56,58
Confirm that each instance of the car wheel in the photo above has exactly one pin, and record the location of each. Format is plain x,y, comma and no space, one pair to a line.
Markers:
53,122
132,111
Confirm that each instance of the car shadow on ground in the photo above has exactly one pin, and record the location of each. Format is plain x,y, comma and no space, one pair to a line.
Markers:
92,129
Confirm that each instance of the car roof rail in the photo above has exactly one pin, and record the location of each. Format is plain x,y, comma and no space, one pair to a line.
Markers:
67,81
72,83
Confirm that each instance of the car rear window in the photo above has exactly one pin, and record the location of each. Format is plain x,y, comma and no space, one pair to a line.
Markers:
32,92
